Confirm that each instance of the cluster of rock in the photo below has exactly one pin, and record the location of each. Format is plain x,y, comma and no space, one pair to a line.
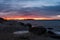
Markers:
11,26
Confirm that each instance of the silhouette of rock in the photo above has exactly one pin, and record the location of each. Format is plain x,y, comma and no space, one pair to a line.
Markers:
39,30
53,35
50,28
29,25
20,23
2,20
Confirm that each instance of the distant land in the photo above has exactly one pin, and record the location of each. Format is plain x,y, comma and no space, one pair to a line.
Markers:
45,20
41,20
34,19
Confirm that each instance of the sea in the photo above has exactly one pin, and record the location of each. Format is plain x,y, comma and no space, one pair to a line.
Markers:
45,23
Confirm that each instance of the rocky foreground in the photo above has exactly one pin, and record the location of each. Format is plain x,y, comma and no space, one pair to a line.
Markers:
10,36
8,27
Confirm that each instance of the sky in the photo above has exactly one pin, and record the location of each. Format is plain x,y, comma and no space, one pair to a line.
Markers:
37,9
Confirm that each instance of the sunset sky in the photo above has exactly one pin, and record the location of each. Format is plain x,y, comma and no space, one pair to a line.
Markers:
30,9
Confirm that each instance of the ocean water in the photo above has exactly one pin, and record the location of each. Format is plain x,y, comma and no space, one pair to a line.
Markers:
47,24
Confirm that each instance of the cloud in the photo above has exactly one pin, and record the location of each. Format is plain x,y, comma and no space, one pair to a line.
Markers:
35,11
52,10
38,8
17,4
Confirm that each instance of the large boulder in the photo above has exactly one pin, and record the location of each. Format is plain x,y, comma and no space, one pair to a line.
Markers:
38,30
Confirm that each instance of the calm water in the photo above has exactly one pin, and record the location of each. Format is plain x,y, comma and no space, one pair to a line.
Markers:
53,24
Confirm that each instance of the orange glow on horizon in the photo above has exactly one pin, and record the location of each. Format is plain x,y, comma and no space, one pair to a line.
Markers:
43,18
28,17
21,18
